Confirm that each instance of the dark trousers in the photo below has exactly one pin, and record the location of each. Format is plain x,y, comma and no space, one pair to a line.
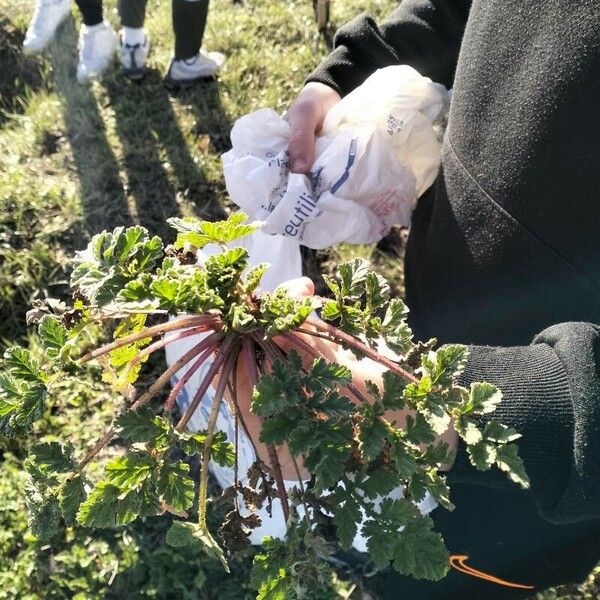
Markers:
91,11
189,22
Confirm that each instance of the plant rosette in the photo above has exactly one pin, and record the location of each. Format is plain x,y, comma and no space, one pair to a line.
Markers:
128,285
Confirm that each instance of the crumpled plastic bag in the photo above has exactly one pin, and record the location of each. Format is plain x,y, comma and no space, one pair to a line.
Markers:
378,151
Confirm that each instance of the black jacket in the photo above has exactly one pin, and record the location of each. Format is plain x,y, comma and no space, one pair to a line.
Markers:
504,245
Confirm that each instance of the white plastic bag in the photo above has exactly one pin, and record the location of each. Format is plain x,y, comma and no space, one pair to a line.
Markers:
378,151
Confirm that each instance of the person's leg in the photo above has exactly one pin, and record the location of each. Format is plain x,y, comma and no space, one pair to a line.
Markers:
134,42
47,16
132,13
191,64
189,22
91,11
97,41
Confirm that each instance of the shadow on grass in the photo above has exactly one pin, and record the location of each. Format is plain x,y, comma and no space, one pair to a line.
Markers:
103,199
211,132
149,136
19,74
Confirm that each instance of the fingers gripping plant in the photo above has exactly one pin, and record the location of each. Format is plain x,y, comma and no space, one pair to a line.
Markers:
343,436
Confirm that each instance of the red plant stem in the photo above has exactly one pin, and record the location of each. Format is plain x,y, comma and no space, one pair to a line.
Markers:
164,342
335,335
272,452
208,321
305,347
208,348
170,402
236,405
143,399
210,434
220,358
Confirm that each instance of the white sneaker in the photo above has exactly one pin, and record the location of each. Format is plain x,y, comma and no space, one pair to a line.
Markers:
184,73
133,57
97,47
47,16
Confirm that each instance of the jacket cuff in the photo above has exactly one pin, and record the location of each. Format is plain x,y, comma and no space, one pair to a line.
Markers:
338,71
536,401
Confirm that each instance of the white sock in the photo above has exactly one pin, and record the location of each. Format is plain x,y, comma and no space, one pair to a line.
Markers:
133,35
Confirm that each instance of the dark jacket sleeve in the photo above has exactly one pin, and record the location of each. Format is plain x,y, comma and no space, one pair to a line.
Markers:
425,34
551,395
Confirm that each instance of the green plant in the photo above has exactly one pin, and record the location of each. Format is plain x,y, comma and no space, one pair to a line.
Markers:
343,436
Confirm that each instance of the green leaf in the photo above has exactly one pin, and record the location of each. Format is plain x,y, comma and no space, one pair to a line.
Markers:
128,472
377,291
182,534
302,437
175,487
32,406
445,364
53,335
192,443
510,462
404,461
499,433
21,404
199,233
112,260
276,429
395,330
222,451
10,387
253,278
393,390
333,404
324,375
352,276
382,530
106,507
43,516
482,455
418,431
372,437
380,482
330,469
71,496
142,426
346,519
21,364
483,399
276,391
281,313
52,457
420,552
438,488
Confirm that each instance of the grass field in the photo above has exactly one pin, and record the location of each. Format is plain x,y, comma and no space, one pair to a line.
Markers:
77,159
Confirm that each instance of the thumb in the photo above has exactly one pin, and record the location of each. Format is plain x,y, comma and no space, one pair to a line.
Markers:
303,123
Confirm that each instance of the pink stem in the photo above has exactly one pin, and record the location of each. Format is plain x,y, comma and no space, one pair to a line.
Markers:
212,371
141,401
207,350
335,335
208,321
164,342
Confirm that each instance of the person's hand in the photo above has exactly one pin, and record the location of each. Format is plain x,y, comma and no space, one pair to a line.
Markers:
306,116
